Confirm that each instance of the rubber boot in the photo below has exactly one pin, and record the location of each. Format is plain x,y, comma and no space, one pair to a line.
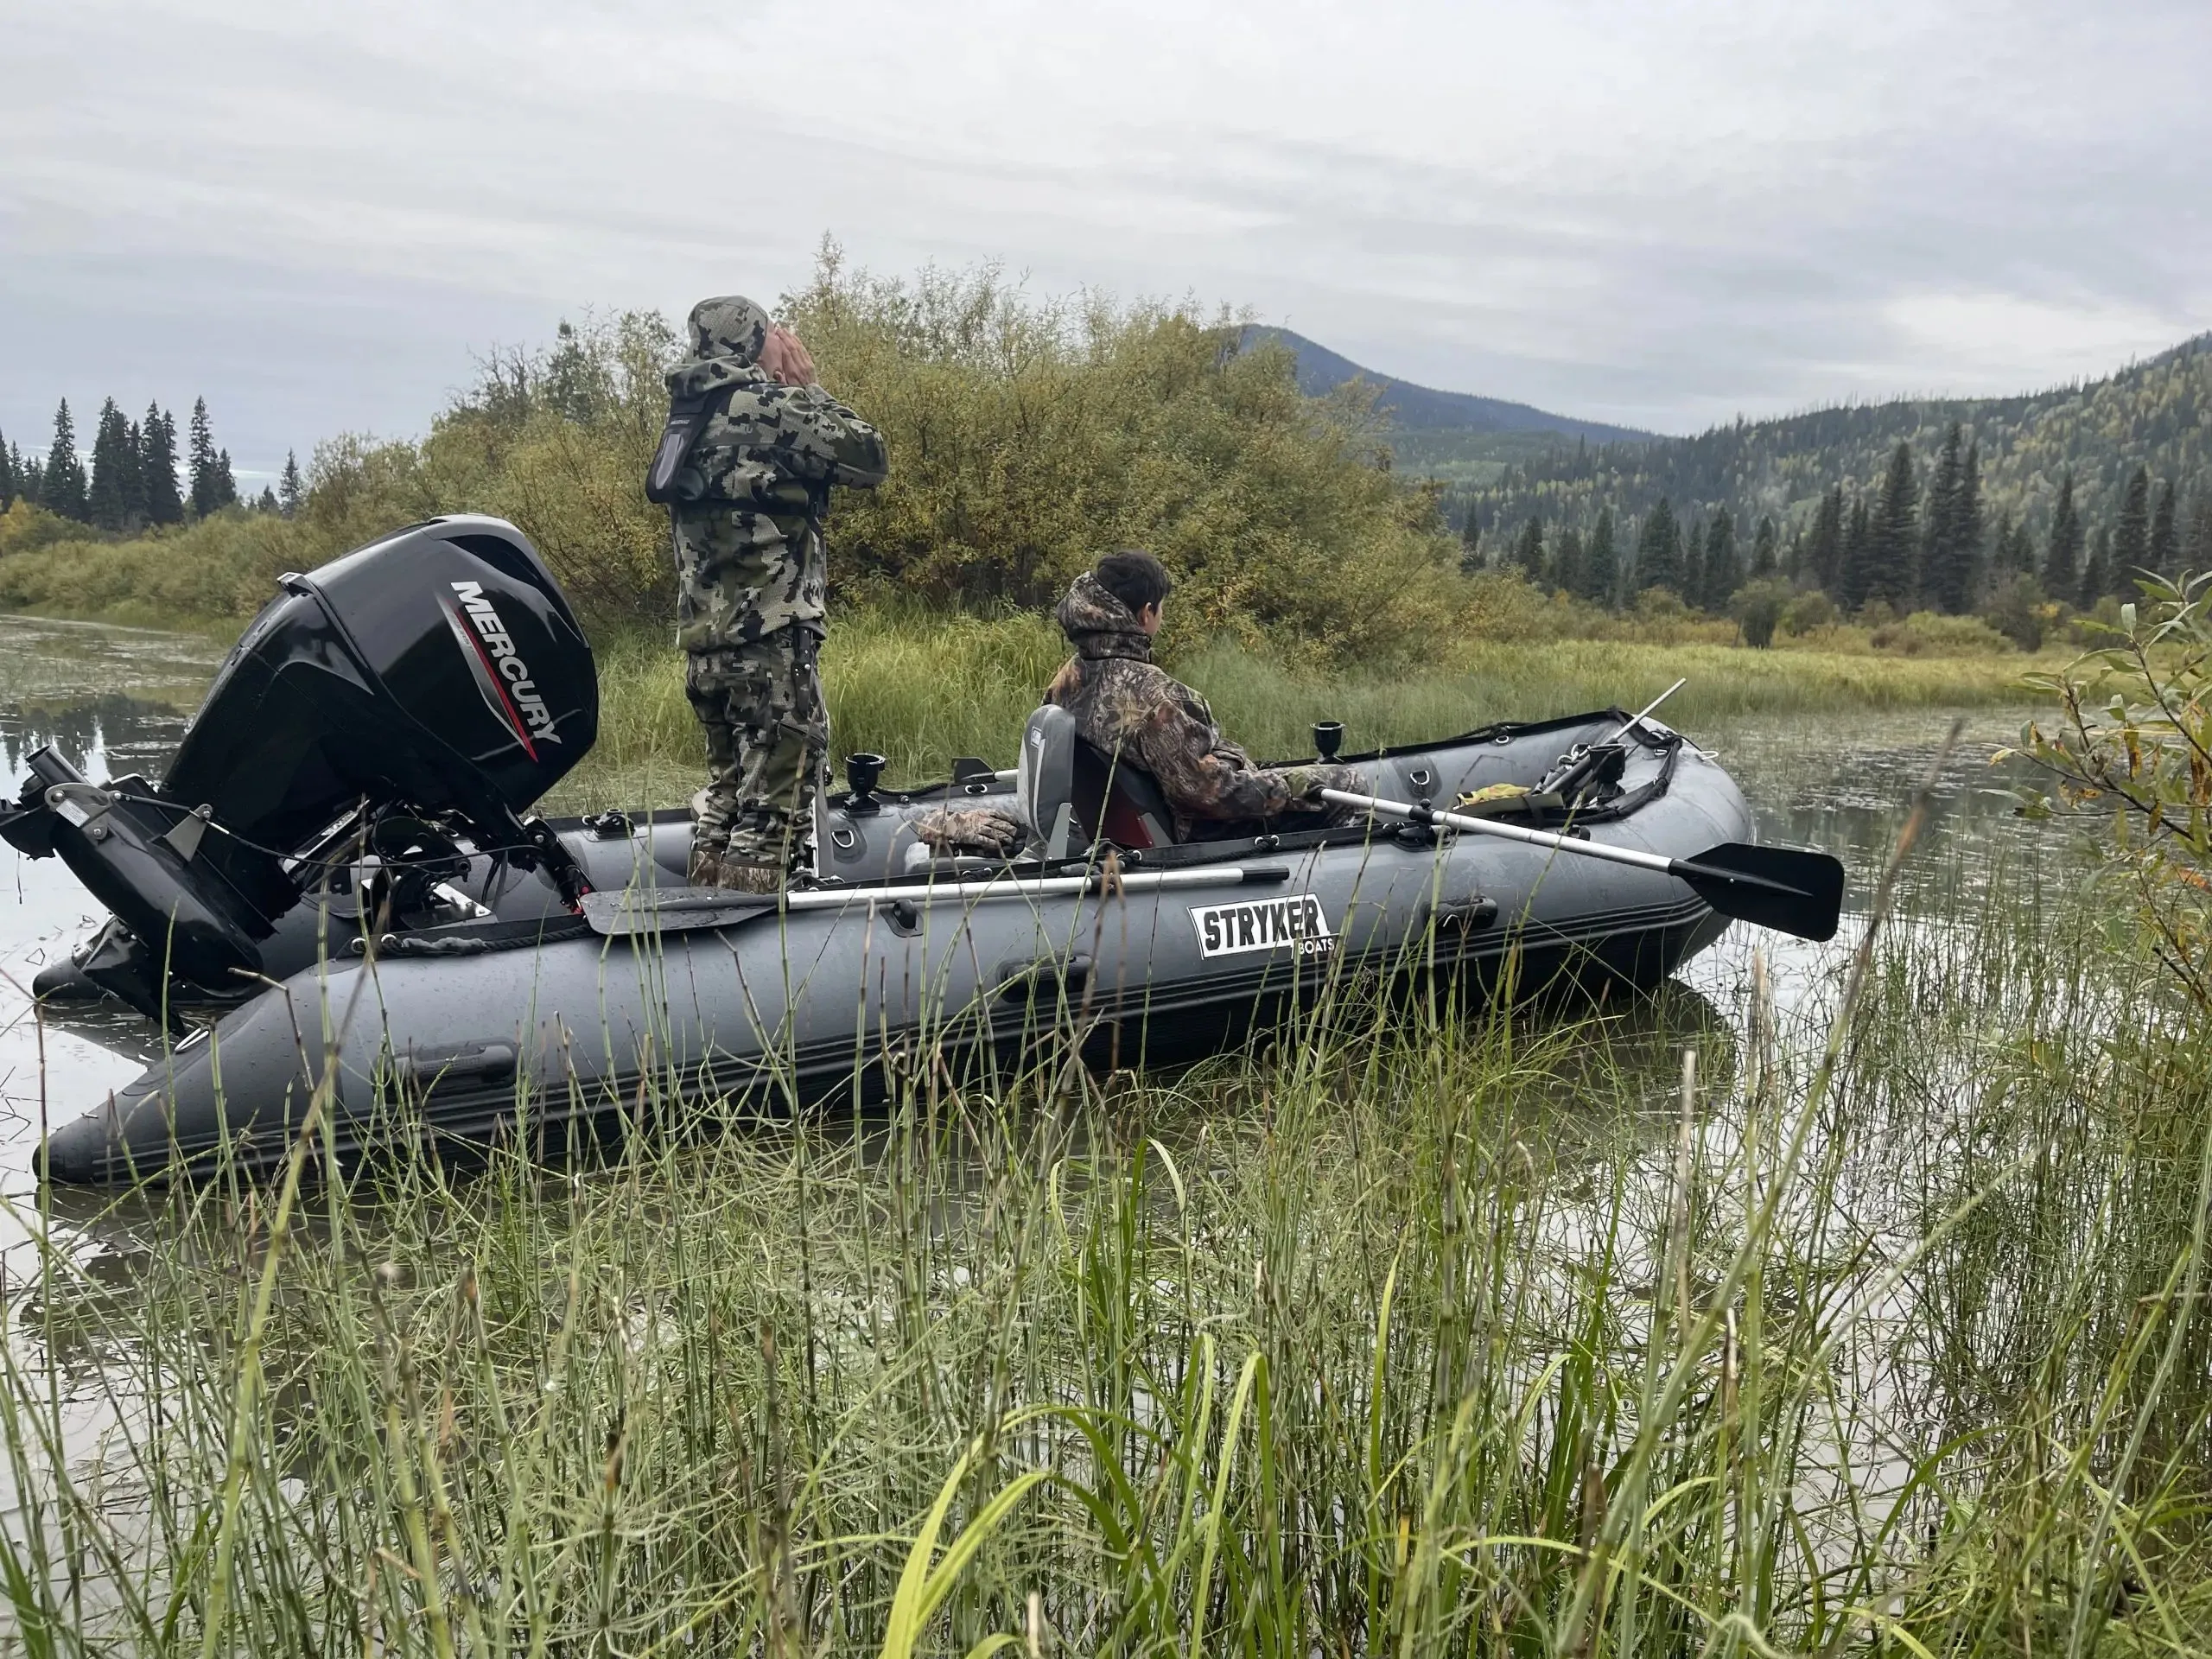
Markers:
705,869
751,878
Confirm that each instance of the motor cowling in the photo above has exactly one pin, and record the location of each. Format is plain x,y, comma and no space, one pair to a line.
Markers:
438,672
441,666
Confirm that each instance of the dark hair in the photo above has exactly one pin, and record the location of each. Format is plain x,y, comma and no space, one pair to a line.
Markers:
1133,577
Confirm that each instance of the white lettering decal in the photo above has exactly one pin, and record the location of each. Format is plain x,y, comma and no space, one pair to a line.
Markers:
1233,929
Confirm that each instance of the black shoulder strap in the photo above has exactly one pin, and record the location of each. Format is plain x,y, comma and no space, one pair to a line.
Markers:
687,419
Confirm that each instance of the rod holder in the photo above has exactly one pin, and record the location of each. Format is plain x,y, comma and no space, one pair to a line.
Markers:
863,772
1328,738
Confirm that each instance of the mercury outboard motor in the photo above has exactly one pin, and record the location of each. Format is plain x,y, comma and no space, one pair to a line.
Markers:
426,689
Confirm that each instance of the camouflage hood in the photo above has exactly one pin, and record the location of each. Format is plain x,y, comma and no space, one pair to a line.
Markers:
726,335
1098,625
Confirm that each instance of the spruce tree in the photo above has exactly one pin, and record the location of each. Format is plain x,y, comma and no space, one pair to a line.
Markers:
226,487
2166,533
1470,533
113,496
1566,562
2003,555
30,478
1528,550
1659,550
290,491
157,467
134,449
1850,578
1893,536
2131,540
2061,563
1824,546
8,486
2096,575
1764,560
1693,588
1722,575
1943,577
200,463
2197,557
1601,565
62,484
1969,524
267,502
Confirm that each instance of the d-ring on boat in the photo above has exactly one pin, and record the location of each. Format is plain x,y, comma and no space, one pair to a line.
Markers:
340,874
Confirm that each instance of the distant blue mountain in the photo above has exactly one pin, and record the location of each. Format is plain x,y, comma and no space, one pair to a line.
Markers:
1423,409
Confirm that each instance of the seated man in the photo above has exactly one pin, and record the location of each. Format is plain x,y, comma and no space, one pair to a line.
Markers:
1126,705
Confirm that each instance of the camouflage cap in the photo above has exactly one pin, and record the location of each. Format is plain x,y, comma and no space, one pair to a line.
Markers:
728,326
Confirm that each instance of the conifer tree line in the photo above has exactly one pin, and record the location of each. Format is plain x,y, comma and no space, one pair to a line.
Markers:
1919,536
132,483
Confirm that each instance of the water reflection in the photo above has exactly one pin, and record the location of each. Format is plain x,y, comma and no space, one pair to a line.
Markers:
113,701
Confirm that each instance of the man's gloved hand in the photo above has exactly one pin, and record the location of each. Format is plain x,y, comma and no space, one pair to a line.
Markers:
981,831
784,361
1307,782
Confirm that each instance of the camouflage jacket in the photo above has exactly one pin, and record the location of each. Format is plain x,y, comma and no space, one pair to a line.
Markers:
750,498
1126,705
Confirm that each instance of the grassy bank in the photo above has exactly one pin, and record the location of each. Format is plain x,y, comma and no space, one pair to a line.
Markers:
1417,1335
921,688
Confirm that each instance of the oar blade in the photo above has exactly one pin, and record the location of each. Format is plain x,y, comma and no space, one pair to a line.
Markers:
1791,891
670,910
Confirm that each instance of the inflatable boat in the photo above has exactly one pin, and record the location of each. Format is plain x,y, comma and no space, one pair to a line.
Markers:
337,893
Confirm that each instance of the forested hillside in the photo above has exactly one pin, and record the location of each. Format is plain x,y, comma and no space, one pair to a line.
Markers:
2136,446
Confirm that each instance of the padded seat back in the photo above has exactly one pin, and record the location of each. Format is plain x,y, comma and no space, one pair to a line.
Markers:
1044,781
1120,801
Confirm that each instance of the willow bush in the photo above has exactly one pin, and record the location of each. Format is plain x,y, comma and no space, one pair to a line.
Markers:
1027,437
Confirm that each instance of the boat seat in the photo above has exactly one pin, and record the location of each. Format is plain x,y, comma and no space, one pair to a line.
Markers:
1043,782
1121,802
1071,793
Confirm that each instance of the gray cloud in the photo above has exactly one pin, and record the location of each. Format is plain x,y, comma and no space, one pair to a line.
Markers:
1660,213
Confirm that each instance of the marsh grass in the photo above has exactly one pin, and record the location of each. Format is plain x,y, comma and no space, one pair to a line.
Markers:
1859,1313
921,687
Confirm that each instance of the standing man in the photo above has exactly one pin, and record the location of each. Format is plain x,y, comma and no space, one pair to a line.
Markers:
745,467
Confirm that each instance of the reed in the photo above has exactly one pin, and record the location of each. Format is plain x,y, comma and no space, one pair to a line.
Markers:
1836,1311
921,687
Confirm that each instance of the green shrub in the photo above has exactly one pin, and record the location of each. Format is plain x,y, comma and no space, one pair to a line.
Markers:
1807,612
2019,611
1925,633
1757,608
1027,437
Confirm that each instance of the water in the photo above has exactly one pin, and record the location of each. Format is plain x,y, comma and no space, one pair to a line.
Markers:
112,701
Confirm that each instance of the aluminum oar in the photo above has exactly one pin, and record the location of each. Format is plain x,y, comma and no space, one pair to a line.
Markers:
1779,887
639,910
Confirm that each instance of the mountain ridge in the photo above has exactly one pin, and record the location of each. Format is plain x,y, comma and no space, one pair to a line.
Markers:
1416,408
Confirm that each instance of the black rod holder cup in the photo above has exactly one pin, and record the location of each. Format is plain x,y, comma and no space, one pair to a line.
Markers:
862,771
1328,738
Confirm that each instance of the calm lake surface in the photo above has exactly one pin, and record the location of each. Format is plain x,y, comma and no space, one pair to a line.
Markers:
116,701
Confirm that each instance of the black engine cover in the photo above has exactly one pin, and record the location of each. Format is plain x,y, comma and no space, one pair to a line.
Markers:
441,666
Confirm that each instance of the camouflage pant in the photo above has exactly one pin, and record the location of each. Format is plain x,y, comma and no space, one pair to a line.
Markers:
767,738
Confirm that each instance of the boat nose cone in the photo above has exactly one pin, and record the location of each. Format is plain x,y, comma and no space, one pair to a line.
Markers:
82,1153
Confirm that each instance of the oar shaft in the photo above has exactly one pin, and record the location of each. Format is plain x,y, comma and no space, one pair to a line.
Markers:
958,891
1634,857
1644,713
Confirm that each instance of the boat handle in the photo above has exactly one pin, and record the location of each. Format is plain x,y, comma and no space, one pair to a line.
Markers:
434,1066
1021,978
1470,915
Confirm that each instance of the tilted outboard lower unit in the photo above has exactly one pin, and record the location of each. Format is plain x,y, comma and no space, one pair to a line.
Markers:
403,705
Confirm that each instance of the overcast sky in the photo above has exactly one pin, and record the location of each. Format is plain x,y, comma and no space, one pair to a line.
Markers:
1660,214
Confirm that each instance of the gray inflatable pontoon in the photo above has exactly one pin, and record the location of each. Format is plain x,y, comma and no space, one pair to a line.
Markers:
559,983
